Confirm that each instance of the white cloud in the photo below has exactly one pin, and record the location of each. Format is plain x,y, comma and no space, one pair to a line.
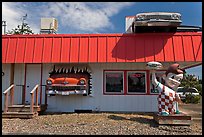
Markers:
91,17
13,12
10,15
88,17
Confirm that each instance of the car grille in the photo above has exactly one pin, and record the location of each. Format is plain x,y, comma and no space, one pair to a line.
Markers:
165,17
68,88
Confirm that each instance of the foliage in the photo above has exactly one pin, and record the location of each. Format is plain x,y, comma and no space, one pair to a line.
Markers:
199,88
21,29
191,81
200,81
192,99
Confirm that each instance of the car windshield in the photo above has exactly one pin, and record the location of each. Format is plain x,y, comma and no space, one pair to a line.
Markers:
180,90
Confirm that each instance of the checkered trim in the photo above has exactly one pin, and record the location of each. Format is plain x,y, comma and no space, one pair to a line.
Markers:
166,99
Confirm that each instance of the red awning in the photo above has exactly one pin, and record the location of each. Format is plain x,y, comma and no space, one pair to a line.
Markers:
79,48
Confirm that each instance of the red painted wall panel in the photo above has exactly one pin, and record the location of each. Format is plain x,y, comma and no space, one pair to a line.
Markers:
140,49
38,50
56,50
178,48
168,49
93,49
47,50
188,49
119,51
29,50
83,50
149,48
130,49
111,43
4,49
102,53
197,47
158,49
74,50
11,50
65,51
20,50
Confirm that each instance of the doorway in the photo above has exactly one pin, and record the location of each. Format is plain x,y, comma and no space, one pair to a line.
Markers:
33,77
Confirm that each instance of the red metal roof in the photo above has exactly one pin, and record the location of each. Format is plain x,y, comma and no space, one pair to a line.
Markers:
67,48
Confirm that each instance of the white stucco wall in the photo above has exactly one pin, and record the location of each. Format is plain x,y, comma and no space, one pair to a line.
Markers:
97,102
100,102
5,80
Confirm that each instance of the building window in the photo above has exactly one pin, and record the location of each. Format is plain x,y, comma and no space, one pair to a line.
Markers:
114,82
125,82
159,76
136,82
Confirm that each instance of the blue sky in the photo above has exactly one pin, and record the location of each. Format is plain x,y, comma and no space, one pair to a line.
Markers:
96,17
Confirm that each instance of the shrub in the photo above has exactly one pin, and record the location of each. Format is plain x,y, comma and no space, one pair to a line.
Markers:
199,88
192,99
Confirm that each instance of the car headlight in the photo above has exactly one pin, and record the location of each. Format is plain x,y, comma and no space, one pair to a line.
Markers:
140,17
49,82
175,16
82,82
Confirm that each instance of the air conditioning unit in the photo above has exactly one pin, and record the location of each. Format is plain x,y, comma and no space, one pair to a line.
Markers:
49,25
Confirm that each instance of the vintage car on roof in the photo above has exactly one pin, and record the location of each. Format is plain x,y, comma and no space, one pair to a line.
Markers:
68,83
157,19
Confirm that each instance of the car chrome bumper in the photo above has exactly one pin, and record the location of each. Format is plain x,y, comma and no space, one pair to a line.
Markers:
73,92
158,23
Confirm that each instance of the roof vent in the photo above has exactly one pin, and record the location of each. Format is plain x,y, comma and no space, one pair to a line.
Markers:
48,26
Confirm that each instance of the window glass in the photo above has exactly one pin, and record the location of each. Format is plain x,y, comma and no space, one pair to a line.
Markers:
159,79
114,82
136,82
180,89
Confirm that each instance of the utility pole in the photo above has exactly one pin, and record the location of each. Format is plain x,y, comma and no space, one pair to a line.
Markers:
4,26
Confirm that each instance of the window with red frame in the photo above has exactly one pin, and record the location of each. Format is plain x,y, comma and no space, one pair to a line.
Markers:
136,82
115,83
159,76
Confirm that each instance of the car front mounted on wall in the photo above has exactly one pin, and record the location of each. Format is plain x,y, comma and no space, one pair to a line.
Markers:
70,81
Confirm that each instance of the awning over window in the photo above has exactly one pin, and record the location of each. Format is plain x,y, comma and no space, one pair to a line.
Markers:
84,48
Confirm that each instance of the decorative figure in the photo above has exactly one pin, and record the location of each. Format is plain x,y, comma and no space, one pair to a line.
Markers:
168,98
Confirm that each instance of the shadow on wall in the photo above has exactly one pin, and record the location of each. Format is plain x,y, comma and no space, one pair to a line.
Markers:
141,47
